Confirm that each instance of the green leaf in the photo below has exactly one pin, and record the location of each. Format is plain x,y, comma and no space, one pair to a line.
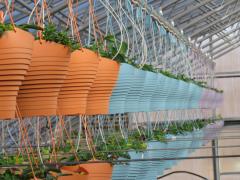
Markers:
50,33
123,49
110,38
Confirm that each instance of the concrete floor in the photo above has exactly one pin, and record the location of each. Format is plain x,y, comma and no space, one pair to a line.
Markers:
204,167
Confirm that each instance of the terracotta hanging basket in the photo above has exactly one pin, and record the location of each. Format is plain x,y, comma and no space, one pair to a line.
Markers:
101,90
80,77
90,171
15,58
73,173
39,92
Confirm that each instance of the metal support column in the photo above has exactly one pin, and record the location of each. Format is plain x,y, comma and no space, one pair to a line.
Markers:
216,173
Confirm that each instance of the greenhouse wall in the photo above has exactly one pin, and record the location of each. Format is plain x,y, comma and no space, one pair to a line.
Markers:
228,67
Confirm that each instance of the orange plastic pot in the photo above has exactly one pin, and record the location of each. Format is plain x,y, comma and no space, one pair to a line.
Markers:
32,99
101,90
7,98
78,84
51,63
75,88
46,72
8,93
93,171
23,55
98,171
45,76
37,86
10,105
11,83
37,112
32,95
80,77
9,114
50,68
47,90
9,88
73,173
15,58
13,72
8,61
29,103
14,66
12,77
16,49
80,95
40,89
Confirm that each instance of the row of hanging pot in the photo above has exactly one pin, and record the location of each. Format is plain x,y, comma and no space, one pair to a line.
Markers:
168,146
143,91
43,78
172,148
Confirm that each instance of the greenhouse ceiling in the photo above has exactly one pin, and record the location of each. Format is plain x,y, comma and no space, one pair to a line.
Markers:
212,25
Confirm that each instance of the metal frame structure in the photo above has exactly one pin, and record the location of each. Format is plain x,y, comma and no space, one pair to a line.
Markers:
199,20
210,27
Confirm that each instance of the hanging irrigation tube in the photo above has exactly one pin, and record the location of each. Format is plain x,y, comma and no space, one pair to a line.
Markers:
169,27
182,172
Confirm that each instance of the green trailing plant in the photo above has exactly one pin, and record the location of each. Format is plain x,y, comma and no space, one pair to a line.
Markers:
112,48
159,135
168,74
106,151
136,141
184,78
41,172
219,117
217,90
83,155
25,27
173,129
10,174
202,84
149,67
5,27
25,173
51,33
10,160
113,148
190,126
